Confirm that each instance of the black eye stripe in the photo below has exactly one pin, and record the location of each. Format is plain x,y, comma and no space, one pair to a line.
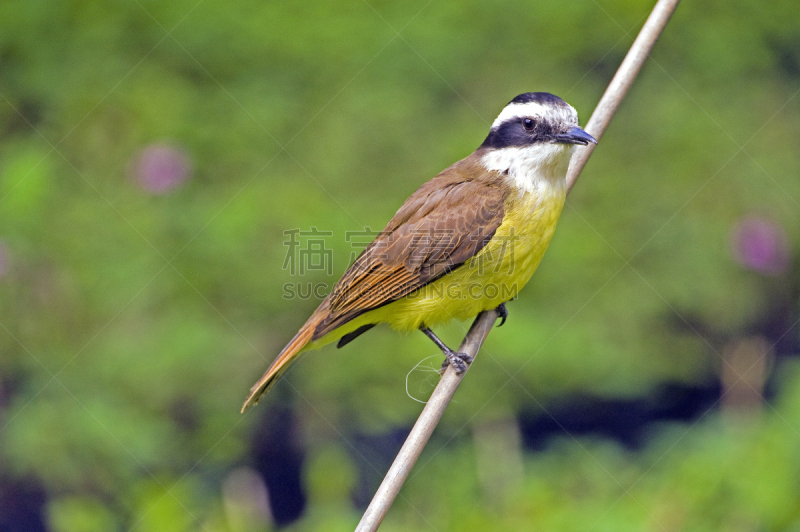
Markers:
513,132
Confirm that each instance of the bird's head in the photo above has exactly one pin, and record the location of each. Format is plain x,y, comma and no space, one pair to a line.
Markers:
535,131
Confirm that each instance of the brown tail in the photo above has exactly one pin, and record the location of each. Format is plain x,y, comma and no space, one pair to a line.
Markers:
281,363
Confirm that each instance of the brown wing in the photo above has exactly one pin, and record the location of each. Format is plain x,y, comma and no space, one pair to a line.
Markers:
441,226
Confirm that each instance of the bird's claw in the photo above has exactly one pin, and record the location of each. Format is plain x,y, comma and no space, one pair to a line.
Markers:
502,313
460,361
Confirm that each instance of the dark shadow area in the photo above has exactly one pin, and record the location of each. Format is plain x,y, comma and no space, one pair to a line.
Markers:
21,506
278,458
625,421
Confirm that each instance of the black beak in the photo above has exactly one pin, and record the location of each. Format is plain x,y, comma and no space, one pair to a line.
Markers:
574,135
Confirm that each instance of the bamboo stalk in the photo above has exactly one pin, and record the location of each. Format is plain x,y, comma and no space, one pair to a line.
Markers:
621,82
424,426
434,409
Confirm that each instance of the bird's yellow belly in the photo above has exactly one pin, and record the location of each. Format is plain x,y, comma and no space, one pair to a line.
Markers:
495,275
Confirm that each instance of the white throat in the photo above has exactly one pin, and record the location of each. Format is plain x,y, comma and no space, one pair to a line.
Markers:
529,168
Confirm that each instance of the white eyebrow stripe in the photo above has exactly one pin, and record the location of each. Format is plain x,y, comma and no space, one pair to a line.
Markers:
518,110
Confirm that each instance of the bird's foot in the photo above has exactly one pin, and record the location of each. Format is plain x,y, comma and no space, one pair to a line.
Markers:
502,313
460,361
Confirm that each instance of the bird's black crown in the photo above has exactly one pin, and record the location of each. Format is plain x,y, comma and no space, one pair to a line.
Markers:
543,98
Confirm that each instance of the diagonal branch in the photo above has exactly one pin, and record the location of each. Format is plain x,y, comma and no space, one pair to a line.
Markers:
621,82
434,409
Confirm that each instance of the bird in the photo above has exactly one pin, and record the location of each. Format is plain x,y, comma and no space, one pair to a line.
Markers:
464,242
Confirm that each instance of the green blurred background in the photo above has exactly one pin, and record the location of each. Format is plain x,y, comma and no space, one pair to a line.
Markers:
156,157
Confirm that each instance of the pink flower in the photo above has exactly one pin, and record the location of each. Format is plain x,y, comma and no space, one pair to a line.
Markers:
760,245
159,168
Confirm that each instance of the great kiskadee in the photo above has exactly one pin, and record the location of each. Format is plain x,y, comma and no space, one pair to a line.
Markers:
466,241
